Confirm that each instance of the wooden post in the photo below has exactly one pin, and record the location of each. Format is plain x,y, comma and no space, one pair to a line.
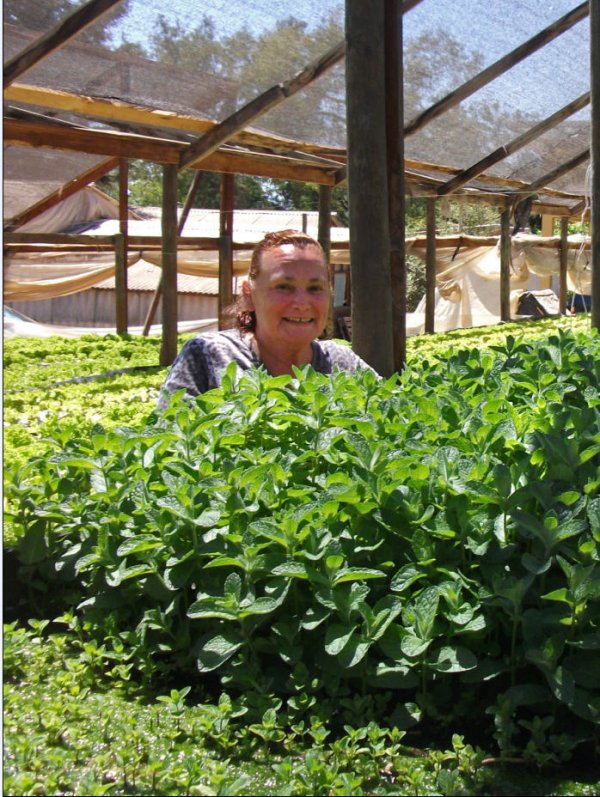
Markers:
595,158
185,212
367,183
505,265
168,349
121,288
120,284
226,246
430,267
324,238
564,254
394,101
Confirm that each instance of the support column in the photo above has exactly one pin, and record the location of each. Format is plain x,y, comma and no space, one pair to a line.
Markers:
121,249
226,246
394,92
120,284
367,183
564,255
595,158
430,267
168,349
324,238
505,265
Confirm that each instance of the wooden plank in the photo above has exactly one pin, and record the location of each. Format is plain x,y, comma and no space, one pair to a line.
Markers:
498,68
367,176
168,348
505,254
80,19
394,112
260,105
227,206
513,146
72,187
595,148
430,267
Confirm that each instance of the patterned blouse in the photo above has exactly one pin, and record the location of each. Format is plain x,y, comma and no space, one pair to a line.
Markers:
202,360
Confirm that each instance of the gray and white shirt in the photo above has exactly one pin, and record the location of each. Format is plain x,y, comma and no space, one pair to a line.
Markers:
202,360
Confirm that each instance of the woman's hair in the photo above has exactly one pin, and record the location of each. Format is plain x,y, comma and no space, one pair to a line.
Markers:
244,319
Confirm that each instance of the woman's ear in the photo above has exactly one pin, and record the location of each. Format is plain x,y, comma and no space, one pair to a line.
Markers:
248,304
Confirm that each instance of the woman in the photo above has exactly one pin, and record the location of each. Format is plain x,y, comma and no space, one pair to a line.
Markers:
282,309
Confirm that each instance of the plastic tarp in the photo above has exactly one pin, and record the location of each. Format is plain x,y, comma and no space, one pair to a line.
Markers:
468,278
45,275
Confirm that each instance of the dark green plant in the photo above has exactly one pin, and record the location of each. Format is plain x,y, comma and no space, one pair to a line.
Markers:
347,544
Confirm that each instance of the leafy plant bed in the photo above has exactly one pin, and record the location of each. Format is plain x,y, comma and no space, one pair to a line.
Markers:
417,554
73,726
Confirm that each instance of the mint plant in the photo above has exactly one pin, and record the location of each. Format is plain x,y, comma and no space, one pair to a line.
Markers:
308,540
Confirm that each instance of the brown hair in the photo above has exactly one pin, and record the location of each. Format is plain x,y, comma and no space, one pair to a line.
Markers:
245,320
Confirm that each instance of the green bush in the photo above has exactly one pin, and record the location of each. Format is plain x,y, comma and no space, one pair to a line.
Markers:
425,546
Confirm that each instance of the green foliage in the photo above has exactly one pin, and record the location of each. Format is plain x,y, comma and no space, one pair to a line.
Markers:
75,724
351,547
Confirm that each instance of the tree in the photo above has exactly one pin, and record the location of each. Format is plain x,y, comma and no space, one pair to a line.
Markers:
36,16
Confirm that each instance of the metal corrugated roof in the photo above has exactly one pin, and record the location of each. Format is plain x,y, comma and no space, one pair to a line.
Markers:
143,276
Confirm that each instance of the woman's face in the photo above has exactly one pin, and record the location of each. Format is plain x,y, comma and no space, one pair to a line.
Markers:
290,296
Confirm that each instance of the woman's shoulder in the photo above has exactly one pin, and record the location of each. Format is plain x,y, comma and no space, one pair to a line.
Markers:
225,339
338,354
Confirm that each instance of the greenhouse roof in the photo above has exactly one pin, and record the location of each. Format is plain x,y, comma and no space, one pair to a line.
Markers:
259,88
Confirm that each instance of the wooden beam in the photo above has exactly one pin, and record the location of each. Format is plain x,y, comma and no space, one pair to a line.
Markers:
126,113
56,37
42,134
168,349
93,142
595,148
72,187
367,181
394,112
260,105
498,68
503,152
505,254
559,171
430,267
268,166
227,207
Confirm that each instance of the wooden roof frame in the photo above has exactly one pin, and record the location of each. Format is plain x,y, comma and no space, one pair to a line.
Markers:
214,150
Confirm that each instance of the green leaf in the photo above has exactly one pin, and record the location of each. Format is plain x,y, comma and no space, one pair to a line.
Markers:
215,650
356,574
406,576
412,646
452,659
337,637
143,542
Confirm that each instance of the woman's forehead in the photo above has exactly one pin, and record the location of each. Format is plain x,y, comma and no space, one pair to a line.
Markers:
291,259
294,251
